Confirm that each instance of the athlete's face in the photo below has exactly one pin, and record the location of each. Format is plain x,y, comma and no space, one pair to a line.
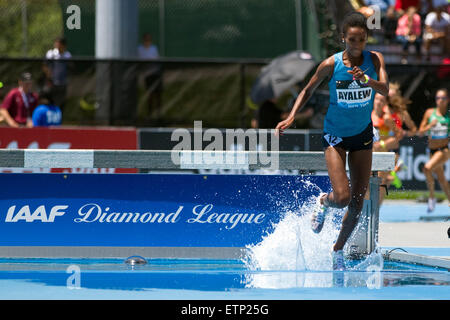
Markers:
355,39
379,101
441,99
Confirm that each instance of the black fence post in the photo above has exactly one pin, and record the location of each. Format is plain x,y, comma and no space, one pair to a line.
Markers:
242,68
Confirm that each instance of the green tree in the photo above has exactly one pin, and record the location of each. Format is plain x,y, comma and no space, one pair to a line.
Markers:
29,27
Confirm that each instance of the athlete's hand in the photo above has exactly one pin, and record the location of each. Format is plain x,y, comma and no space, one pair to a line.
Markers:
357,73
283,125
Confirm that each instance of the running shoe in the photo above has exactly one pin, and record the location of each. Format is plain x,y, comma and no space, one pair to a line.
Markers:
397,183
400,165
318,218
431,205
338,260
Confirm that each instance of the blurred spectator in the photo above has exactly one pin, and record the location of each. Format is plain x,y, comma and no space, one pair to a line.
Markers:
364,6
47,113
267,115
390,22
384,5
409,32
56,70
19,103
152,73
2,118
431,5
437,29
147,50
402,5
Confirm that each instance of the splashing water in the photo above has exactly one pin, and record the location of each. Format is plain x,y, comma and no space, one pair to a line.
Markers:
293,245
292,255
372,262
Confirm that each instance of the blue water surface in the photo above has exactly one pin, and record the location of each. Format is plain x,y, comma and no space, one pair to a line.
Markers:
175,279
211,279
401,211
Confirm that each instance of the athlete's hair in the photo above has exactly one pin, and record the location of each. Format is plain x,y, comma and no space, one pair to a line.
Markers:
398,103
354,19
443,90
395,86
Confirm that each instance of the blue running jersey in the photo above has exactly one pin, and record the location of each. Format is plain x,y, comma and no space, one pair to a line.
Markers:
351,101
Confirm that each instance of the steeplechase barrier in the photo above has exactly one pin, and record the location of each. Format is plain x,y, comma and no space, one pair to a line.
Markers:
161,214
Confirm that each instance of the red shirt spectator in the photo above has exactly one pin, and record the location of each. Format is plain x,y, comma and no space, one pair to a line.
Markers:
405,4
19,103
405,27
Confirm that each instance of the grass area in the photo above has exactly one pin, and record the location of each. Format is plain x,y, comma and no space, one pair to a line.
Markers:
413,195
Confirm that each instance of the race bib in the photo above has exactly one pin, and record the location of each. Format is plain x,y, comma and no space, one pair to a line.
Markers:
353,94
439,131
332,140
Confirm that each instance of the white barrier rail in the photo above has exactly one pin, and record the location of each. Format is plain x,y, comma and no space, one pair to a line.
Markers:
171,159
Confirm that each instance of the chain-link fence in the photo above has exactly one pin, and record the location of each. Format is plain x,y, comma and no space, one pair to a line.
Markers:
219,28
29,27
180,28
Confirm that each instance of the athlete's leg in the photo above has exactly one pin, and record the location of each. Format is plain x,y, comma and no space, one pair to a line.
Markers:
442,157
386,144
437,159
360,165
335,158
385,181
440,174
430,181
340,196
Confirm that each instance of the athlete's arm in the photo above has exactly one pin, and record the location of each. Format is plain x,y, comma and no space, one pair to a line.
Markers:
424,126
324,70
382,84
410,124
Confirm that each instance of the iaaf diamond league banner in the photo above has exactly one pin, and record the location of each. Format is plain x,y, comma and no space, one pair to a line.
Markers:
146,209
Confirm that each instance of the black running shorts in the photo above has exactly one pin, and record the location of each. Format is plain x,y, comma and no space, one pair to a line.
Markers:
361,141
